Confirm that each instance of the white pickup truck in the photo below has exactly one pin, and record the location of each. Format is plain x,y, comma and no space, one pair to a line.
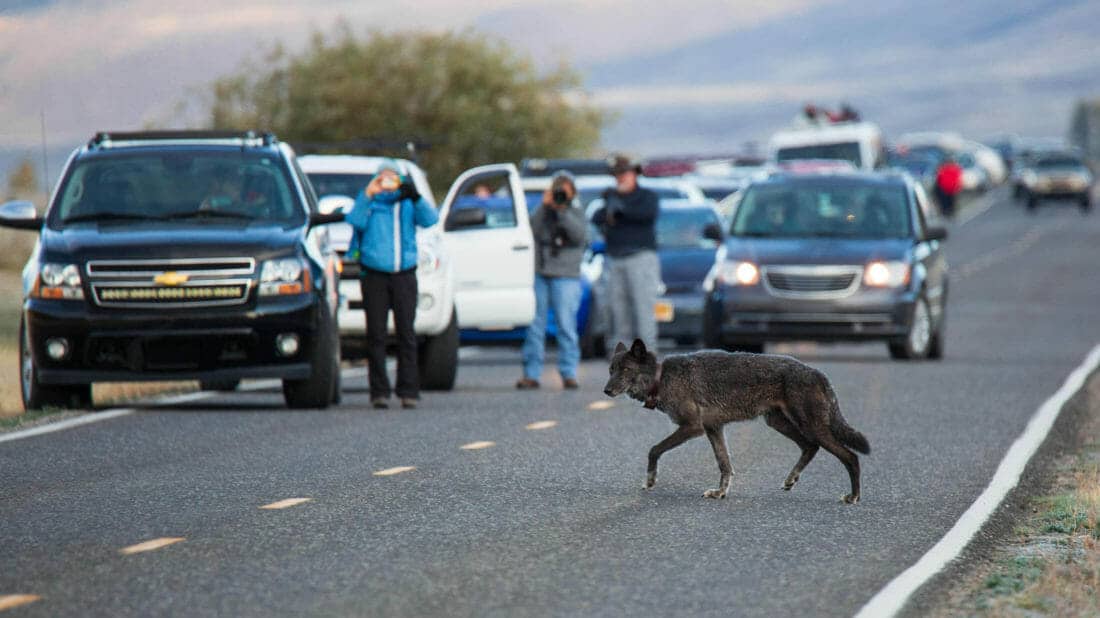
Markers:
475,268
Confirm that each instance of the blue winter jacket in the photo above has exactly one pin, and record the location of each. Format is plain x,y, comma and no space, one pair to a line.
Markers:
384,230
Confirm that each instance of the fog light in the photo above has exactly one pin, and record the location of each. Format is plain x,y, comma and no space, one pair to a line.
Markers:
57,348
426,301
286,344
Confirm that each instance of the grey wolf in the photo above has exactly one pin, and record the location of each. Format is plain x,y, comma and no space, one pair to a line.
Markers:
702,391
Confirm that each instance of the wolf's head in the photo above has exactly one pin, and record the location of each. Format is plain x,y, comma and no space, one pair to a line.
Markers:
632,371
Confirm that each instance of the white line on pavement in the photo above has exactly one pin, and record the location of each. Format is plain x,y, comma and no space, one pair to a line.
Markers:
893,597
983,204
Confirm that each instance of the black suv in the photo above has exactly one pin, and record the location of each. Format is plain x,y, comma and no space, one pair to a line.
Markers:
831,257
178,256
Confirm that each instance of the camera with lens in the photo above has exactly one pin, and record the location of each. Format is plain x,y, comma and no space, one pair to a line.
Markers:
560,197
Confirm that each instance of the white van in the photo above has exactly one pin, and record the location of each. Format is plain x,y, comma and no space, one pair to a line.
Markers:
857,142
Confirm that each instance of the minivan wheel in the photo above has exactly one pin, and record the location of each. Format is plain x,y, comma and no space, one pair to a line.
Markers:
918,340
438,358
36,395
316,391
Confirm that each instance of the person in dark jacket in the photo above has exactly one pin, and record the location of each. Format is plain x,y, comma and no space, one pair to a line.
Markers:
560,234
628,220
384,221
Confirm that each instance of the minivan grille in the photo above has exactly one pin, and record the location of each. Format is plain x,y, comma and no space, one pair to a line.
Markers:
812,281
171,283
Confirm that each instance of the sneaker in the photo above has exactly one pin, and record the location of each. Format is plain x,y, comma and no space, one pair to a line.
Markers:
409,403
526,384
570,383
380,403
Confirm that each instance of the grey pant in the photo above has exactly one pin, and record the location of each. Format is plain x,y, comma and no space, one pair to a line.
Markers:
632,283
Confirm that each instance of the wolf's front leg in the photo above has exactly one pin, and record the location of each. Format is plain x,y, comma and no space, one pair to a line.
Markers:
718,443
678,437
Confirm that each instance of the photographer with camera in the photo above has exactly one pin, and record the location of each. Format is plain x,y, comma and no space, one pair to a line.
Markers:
384,221
560,234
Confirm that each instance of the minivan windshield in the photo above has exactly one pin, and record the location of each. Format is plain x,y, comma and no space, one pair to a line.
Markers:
846,151
823,209
189,186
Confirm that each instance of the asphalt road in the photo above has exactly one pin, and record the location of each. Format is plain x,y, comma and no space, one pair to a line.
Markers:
550,521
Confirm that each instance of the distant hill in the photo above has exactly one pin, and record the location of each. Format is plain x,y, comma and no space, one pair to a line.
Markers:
980,67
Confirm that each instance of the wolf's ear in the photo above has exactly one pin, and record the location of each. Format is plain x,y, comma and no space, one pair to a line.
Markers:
620,348
638,349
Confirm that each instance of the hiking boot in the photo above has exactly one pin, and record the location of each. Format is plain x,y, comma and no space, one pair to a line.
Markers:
527,384
379,403
570,384
409,403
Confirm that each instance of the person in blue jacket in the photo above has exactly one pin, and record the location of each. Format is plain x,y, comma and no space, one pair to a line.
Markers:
384,221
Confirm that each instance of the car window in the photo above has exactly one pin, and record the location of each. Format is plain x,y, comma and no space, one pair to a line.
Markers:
806,210
682,228
348,185
491,192
847,151
533,198
213,186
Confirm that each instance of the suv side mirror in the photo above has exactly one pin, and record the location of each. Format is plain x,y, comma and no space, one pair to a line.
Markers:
712,231
318,218
474,216
935,233
20,215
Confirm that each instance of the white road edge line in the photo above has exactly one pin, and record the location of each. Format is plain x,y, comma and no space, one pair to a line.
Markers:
105,415
972,213
893,597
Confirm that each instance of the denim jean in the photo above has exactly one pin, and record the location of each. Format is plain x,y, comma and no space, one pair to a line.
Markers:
563,294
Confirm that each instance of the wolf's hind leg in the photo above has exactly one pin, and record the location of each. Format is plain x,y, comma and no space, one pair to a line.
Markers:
850,461
721,453
678,437
778,422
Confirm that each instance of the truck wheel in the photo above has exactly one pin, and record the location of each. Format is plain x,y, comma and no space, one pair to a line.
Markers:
37,396
438,359
918,341
219,385
316,391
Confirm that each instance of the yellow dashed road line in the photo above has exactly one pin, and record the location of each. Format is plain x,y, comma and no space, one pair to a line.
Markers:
9,601
603,404
285,504
476,446
393,471
542,425
151,545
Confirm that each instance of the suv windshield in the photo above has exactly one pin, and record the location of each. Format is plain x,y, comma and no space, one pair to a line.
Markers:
191,186
846,151
824,209
682,228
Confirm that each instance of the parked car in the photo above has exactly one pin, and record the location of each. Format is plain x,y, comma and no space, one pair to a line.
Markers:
859,143
337,179
178,256
839,257
1057,176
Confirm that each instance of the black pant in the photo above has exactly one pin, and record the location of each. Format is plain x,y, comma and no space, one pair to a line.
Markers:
382,292
947,202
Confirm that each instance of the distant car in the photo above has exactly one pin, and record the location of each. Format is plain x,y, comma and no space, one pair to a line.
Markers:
1057,176
859,143
839,257
974,177
921,165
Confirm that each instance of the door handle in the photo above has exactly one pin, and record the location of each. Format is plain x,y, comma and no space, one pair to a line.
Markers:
520,247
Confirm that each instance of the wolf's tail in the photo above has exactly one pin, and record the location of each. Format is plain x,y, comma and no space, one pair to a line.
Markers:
842,430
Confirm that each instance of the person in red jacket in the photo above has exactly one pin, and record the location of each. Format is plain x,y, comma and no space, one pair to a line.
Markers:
948,185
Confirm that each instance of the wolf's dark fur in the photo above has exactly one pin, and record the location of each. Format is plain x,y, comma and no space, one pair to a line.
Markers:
703,391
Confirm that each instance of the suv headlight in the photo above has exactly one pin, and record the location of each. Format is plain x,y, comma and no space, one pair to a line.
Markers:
731,272
286,276
886,274
59,281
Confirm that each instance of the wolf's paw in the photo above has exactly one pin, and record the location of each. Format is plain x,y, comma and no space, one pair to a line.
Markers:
849,499
789,483
718,494
650,480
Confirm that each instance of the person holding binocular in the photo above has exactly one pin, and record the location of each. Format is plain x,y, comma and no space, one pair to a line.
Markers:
560,234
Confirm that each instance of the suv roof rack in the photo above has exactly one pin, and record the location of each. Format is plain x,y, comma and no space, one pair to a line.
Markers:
104,139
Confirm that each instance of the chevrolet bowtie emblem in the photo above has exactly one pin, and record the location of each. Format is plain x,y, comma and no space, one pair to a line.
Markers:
171,278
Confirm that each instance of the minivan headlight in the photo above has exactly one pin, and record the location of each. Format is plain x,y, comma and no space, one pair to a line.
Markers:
59,281
881,274
284,276
738,272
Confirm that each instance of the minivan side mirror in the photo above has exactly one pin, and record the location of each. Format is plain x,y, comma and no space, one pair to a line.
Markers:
935,233
20,215
474,216
335,203
713,231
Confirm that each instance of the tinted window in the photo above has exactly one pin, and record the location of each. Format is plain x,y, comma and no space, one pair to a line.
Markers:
683,227
190,185
847,151
803,210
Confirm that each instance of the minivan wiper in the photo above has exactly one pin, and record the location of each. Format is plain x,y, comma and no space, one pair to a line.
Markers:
110,216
